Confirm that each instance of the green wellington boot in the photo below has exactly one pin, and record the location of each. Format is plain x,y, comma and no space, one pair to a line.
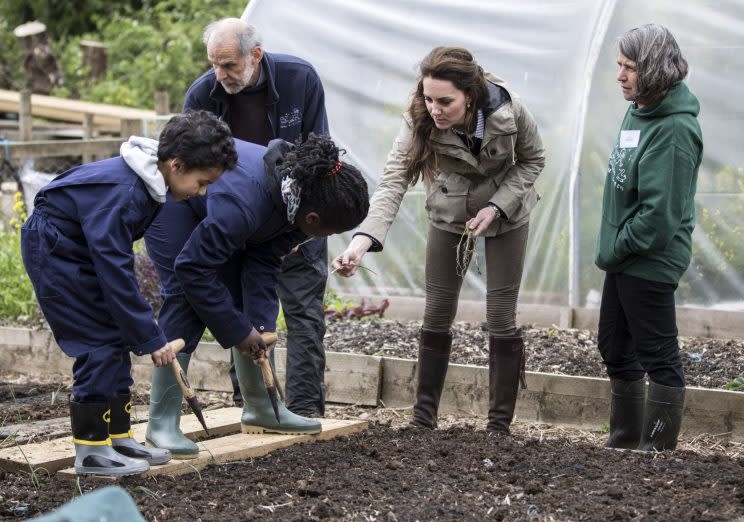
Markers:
163,429
122,439
93,452
258,414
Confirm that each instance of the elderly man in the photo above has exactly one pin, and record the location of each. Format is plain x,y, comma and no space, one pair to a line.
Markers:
261,96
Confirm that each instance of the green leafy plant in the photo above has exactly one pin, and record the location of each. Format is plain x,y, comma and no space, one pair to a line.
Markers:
735,385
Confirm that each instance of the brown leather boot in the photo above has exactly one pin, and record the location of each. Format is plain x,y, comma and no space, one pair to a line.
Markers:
433,359
505,369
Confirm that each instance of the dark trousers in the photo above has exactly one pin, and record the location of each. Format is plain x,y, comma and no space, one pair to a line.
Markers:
102,375
301,288
638,330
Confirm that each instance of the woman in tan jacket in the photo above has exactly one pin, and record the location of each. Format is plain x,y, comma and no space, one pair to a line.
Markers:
479,152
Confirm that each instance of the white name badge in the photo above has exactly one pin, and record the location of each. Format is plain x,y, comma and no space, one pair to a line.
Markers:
629,138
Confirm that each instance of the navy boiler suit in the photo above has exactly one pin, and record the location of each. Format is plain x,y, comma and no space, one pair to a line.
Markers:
295,107
77,249
219,256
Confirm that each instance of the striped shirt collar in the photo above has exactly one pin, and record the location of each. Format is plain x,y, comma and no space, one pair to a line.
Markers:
480,126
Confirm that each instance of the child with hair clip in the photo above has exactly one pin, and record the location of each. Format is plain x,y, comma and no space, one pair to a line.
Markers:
218,259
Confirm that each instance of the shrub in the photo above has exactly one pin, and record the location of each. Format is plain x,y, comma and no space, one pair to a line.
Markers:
17,296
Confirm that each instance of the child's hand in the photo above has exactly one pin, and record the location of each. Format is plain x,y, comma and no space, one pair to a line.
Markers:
253,345
164,356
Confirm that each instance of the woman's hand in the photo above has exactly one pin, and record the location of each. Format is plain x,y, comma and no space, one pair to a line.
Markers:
253,345
348,262
483,219
164,356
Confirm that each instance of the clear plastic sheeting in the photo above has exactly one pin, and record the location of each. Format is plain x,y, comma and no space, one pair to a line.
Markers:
561,59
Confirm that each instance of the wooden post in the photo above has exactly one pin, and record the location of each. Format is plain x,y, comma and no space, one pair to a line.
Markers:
42,71
162,108
94,58
25,120
130,128
88,133
162,103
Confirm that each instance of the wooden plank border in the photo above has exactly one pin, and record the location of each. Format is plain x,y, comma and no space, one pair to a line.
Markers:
559,399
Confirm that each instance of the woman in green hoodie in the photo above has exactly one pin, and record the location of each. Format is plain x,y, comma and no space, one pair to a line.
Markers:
645,240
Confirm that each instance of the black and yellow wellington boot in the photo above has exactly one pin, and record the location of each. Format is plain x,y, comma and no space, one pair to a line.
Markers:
258,414
163,424
94,454
122,440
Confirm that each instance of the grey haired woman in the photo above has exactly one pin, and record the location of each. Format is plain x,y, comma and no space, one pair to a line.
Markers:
645,239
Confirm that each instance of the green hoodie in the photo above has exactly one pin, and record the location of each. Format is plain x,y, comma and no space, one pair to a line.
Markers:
648,210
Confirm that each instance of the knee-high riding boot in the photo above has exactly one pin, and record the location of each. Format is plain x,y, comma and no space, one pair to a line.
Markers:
258,414
505,369
433,360
626,413
163,430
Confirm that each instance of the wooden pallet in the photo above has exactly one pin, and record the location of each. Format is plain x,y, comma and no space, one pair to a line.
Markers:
57,454
241,446
224,423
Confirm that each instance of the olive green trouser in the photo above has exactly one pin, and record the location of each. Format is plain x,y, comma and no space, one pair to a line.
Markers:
504,262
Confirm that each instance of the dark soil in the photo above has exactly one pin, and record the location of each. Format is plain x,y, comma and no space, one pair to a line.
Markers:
457,473
21,403
711,363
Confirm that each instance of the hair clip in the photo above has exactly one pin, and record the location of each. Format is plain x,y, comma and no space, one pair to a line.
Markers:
334,170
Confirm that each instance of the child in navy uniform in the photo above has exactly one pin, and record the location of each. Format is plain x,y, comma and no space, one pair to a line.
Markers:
77,249
218,259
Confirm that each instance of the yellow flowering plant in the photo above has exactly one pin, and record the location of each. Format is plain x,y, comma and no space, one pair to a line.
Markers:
17,303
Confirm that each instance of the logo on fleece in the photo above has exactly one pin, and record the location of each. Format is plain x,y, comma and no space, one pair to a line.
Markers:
290,119
620,159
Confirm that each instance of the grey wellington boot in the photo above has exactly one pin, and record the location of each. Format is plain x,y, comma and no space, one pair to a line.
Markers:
163,429
258,414
122,440
626,413
94,454
662,417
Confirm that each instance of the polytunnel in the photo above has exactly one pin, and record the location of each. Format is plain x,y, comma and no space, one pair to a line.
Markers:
561,59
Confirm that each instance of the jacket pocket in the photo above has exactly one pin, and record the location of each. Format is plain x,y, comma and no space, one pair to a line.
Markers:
499,154
41,245
447,198
605,248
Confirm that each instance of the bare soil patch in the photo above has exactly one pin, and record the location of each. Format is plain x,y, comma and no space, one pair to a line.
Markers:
709,363
459,472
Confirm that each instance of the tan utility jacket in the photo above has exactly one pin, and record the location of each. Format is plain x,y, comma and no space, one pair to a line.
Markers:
510,159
